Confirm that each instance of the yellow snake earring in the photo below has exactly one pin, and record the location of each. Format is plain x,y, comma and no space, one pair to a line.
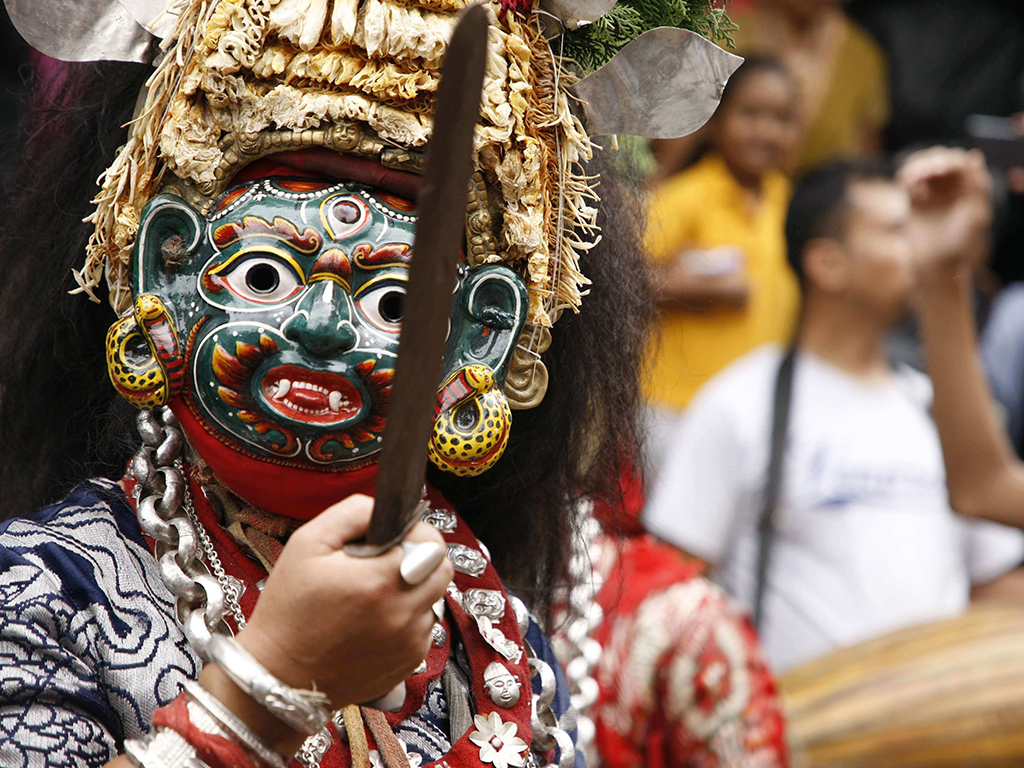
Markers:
472,422
143,356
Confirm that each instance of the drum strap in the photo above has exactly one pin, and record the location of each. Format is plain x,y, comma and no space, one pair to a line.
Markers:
781,401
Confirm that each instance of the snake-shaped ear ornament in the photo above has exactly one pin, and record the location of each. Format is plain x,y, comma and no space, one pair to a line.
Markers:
143,355
472,422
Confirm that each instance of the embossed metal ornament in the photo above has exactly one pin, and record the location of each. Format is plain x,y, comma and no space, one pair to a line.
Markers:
501,685
466,560
487,606
442,519
665,84
314,748
438,635
484,602
522,614
495,638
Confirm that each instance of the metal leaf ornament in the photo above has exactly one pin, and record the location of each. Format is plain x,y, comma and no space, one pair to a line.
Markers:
157,16
83,30
577,13
665,84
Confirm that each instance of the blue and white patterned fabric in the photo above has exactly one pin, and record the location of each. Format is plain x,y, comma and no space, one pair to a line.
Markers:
89,646
88,643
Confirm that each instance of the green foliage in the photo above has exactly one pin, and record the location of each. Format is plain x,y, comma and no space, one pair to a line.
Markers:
634,159
594,45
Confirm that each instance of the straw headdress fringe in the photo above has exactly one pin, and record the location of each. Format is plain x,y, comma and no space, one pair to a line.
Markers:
242,67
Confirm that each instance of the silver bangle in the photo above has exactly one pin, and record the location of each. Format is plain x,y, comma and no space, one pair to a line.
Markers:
225,723
163,749
304,711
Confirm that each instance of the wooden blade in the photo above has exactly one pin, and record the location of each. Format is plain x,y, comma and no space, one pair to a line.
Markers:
440,227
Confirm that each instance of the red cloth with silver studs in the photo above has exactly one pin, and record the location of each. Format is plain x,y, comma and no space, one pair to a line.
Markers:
479,652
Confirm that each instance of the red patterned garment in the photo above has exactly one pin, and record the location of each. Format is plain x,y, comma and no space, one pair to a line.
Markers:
682,678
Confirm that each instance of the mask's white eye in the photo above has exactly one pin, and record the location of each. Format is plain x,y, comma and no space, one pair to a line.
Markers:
384,305
345,216
262,279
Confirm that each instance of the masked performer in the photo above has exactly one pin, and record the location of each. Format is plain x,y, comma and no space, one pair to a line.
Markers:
254,236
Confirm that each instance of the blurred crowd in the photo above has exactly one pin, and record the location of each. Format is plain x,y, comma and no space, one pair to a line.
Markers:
830,443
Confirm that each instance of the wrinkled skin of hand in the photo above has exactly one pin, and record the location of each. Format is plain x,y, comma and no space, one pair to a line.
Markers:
349,627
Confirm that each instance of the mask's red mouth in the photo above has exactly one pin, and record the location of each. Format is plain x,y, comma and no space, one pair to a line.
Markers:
312,397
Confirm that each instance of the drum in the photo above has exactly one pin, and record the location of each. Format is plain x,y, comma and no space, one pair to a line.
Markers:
943,694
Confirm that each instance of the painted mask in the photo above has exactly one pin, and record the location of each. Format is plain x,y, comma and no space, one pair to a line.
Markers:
276,318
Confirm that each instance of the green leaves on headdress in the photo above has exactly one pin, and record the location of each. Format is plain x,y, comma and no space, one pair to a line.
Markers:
594,45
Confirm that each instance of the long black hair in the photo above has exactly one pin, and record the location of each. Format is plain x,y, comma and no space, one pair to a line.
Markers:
59,420
62,422
582,437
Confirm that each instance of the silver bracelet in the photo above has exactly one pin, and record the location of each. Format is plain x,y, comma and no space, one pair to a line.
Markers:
163,749
214,717
305,711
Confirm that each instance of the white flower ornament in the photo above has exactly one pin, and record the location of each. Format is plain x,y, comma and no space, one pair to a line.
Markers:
415,758
498,741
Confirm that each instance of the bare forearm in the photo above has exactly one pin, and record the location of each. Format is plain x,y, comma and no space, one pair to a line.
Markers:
983,475
1008,588
686,291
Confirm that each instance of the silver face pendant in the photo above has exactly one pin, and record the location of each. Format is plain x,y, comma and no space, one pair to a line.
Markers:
487,606
484,602
501,685
314,748
438,635
466,560
442,519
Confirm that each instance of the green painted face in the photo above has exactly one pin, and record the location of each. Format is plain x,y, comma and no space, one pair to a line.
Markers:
287,303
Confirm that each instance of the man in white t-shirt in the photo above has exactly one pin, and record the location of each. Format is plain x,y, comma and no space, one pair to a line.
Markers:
864,541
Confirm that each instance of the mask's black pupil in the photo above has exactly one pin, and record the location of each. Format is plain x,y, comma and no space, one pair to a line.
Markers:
348,213
262,278
391,306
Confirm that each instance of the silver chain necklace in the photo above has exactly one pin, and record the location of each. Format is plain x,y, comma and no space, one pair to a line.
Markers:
167,516
582,651
232,587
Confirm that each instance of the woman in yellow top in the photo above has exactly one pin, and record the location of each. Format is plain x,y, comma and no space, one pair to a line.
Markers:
716,235
840,71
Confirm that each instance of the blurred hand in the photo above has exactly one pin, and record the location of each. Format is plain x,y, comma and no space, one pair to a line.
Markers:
1015,175
699,280
713,262
951,206
349,625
